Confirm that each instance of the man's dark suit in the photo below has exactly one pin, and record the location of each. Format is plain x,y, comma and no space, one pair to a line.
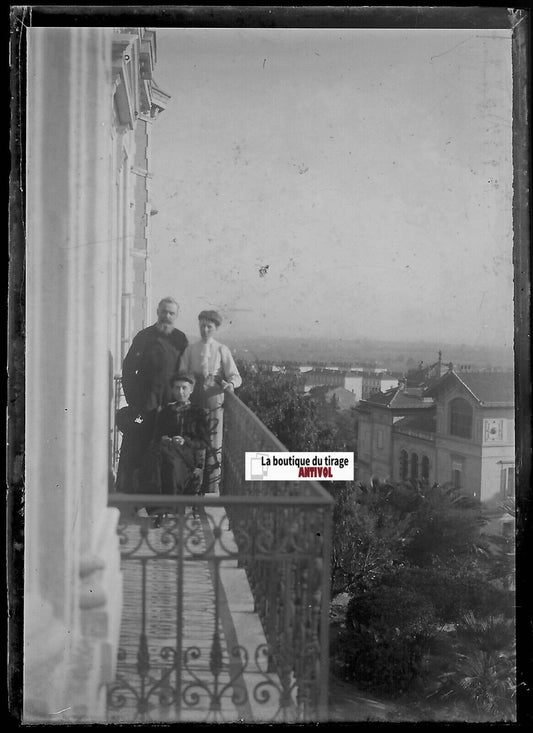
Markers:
153,358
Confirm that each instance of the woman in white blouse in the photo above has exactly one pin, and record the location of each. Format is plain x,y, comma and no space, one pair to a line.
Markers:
216,372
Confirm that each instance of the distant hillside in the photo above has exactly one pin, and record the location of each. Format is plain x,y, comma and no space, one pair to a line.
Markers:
396,356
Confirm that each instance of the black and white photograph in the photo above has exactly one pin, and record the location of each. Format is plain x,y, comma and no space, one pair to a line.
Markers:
241,240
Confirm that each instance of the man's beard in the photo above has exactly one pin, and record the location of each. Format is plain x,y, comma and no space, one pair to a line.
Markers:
164,327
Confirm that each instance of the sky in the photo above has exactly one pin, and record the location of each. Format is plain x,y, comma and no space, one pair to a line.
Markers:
352,183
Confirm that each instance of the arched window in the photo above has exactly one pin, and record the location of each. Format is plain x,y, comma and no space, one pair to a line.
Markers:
414,466
425,468
404,468
460,418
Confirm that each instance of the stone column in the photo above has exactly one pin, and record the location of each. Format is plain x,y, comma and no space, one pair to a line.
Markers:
71,550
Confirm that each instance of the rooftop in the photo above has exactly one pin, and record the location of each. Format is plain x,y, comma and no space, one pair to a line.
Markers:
424,422
398,398
489,388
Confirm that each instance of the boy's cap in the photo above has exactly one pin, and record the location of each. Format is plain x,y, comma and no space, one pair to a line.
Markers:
184,378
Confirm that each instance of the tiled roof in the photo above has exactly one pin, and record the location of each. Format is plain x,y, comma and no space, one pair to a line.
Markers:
339,391
495,387
424,421
382,398
324,372
397,398
486,387
403,399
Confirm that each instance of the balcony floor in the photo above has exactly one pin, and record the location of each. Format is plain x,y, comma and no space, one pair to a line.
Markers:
237,691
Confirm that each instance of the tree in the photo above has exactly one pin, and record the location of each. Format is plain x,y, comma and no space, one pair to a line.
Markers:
398,548
388,631
446,528
368,537
482,669
500,552
413,561
278,400
296,419
384,525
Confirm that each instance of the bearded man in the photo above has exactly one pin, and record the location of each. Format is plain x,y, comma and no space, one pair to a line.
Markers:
153,358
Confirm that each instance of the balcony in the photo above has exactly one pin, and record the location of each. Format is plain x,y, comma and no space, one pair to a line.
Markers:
225,614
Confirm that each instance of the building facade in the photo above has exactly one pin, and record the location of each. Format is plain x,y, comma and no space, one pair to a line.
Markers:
376,418
388,381
91,103
323,378
459,431
343,398
359,382
474,429
353,381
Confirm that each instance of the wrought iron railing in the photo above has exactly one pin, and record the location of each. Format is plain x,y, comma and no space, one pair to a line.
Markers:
226,605
285,547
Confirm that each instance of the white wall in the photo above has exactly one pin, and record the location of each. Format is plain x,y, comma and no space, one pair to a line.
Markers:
71,548
355,384
388,383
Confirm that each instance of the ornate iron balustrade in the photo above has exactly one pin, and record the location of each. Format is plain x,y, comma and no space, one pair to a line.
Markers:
232,598
291,594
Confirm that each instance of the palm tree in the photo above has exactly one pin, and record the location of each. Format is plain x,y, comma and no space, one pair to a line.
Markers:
483,669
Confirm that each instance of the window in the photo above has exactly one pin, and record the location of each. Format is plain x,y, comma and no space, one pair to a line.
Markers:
457,471
379,438
507,481
404,459
460,418
425,468
414,466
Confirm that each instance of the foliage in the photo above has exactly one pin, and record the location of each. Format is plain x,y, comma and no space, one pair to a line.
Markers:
345,424
446,527
387,633
454,592
413,560
340,423
383,525
301,422
500,560
277,399
368,537
500,552
482,669
399,550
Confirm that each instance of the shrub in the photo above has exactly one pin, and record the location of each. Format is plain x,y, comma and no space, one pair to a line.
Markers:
454,592
387,633
482,669
368,539
447,528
